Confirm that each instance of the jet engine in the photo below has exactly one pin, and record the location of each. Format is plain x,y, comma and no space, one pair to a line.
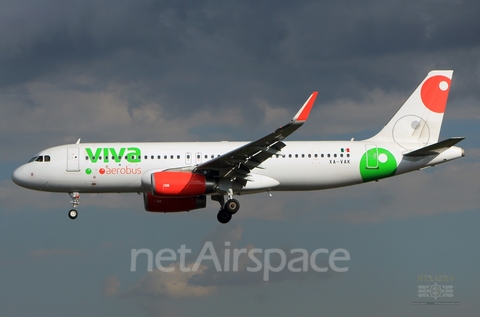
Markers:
169,204
181,184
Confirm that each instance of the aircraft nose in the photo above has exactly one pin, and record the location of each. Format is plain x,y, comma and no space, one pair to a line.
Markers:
18,176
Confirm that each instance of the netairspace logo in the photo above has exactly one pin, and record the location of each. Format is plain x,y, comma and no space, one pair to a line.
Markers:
269,261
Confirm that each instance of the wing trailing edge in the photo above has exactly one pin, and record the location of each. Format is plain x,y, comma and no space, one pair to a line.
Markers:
239,162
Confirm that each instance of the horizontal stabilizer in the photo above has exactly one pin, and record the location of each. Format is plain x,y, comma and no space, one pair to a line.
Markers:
436,148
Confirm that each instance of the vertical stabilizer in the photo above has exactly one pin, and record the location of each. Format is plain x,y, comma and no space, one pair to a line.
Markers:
419,120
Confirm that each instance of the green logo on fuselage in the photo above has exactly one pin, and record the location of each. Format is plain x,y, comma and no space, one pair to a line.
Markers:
114,155
377,163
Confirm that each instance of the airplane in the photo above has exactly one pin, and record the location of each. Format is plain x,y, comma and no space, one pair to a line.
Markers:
178,176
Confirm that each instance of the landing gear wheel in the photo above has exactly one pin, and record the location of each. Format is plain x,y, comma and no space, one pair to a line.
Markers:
224,216
72,214
232,206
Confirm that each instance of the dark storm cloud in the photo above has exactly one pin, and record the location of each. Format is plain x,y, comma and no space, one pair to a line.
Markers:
188,56
46,37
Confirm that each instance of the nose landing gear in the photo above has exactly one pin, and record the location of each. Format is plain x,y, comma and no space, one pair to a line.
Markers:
73,213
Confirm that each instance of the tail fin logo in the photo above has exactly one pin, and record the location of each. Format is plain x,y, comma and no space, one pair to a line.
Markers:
434,93
419,120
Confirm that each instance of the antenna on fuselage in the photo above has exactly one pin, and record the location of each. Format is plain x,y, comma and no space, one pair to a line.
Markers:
78,141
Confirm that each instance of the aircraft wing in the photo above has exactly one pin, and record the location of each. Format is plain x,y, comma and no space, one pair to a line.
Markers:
237,163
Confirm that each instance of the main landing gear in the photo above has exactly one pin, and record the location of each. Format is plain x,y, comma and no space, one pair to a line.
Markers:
227,210
73,213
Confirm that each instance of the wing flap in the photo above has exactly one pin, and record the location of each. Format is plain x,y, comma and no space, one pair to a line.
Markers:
253,154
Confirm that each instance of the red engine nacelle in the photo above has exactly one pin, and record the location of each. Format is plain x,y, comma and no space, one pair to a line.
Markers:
181,184
168,204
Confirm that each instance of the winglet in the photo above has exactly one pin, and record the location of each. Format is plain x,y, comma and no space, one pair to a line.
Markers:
302,114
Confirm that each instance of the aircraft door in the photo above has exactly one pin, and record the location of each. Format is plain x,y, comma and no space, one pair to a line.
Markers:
198,158
371,156
73,164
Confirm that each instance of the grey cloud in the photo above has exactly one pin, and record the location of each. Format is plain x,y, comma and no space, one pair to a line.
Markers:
207,53
110,286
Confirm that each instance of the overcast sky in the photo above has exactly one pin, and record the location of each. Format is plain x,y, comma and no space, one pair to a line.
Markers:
235,70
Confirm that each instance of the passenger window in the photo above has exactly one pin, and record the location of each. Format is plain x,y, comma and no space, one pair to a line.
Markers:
171,157
334,155
178,157
159,157
86,158
309,155
303,155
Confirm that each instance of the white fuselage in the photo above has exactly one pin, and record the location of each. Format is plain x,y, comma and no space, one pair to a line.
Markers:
177,177
126,167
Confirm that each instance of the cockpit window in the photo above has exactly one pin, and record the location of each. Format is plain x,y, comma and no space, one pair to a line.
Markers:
40,158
